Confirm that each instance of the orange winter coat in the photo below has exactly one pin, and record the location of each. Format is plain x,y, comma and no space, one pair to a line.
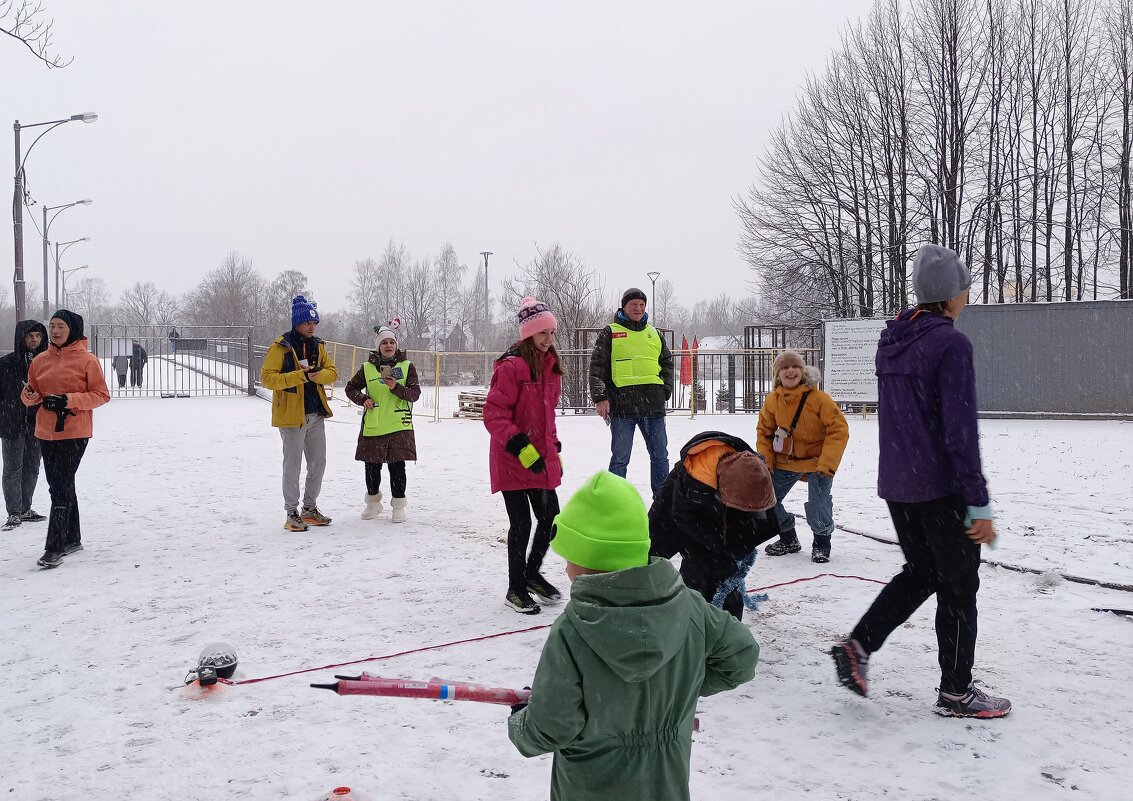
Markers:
821,435
71,370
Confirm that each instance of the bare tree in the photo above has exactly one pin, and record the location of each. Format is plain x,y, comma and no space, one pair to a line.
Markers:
448,275
563,281
23,21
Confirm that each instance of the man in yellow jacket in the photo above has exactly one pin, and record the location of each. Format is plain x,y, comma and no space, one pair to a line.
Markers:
802,435
295,369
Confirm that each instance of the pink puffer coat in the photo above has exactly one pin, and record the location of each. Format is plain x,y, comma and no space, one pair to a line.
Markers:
517,404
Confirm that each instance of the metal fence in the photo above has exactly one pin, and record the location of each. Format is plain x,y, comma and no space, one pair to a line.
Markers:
176,361
1069,359
722,381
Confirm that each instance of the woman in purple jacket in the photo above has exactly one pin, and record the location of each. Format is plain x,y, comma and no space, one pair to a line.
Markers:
930,476
523,459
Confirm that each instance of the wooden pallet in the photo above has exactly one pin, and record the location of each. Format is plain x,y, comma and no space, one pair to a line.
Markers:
471,404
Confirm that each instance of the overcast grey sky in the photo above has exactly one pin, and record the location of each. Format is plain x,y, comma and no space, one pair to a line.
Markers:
305,135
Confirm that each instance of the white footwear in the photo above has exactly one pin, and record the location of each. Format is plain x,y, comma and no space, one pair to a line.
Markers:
398,505
373,506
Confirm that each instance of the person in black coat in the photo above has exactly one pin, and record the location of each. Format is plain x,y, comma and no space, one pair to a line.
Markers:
17,425
713,509
138,360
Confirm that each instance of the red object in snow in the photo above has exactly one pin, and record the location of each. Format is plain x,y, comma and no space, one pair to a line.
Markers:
368,684
686,364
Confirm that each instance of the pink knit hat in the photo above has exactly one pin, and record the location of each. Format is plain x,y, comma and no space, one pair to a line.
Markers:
534,316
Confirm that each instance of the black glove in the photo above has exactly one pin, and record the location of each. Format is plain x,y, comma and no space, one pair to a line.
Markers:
520,706
516,444
55,403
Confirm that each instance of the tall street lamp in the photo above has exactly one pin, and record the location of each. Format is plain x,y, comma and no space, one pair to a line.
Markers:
46,225
653,277
72,270
58,253
18,198
487,308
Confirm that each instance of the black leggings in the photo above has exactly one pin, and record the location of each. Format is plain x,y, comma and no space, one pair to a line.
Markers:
940,560
396,478
61,459
519,504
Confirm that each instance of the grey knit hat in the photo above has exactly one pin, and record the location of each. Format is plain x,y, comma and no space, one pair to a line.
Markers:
939,274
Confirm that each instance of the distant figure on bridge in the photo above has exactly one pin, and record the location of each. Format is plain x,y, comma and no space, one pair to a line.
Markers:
121,367
631,380
296,368
174,335
138,360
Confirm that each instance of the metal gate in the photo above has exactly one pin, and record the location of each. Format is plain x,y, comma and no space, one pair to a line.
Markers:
176,361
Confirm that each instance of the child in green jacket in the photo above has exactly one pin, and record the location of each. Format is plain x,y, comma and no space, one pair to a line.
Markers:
615,692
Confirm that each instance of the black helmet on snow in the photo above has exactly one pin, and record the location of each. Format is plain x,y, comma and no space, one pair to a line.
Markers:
219,656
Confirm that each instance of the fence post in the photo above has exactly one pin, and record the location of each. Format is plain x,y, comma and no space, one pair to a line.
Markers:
353,358
251,366
437,387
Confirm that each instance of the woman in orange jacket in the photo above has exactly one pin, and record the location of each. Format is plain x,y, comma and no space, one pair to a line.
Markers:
67,381
801,435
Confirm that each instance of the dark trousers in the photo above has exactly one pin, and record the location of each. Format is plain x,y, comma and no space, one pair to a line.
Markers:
940,560
21,471
519,505
397,480
135,376
705,572
61,459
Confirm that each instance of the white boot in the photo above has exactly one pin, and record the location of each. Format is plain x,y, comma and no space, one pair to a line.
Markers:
398,505
373,506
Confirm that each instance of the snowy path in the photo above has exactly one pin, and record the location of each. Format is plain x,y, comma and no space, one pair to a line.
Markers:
182,523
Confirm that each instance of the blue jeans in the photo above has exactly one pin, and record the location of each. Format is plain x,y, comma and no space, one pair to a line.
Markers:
656,442
819,507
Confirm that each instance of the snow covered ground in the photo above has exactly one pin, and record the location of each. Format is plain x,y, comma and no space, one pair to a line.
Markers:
182,523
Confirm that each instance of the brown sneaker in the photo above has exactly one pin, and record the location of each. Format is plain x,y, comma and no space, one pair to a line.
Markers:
313,517
293,522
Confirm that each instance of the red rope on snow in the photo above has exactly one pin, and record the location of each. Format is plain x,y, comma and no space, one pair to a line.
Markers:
499,634
391,656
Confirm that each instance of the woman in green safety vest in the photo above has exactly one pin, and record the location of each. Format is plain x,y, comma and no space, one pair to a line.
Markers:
386,387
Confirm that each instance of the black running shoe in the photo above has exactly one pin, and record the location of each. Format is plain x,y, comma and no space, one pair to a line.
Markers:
544,589
975,703
50,559
521,602
32,516
73,547
783,547
852,663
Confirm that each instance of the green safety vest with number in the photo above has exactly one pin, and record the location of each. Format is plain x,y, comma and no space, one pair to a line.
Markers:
390,413
635,356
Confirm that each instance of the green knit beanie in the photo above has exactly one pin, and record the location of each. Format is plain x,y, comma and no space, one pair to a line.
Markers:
604,525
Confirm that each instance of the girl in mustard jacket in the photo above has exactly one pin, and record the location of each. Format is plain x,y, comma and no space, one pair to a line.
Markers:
802,435
67,381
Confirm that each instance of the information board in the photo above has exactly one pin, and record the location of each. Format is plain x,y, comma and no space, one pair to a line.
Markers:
850,347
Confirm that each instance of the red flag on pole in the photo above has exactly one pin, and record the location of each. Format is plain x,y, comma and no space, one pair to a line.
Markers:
686,363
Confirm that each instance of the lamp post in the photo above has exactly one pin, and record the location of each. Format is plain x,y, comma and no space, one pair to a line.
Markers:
58,253
653,277
72,270
18,199
46,225
487,307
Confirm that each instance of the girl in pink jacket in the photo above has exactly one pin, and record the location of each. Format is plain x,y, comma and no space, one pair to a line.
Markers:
523,459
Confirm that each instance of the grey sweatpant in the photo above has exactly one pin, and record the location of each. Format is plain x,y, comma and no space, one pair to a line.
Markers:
21,471
307,442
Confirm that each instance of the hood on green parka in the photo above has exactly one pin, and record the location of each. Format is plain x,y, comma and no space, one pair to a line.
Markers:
635,620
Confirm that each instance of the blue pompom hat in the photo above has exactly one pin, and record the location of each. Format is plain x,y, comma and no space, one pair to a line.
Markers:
303,311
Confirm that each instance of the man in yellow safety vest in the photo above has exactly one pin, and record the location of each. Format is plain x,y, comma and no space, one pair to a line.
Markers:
631,380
